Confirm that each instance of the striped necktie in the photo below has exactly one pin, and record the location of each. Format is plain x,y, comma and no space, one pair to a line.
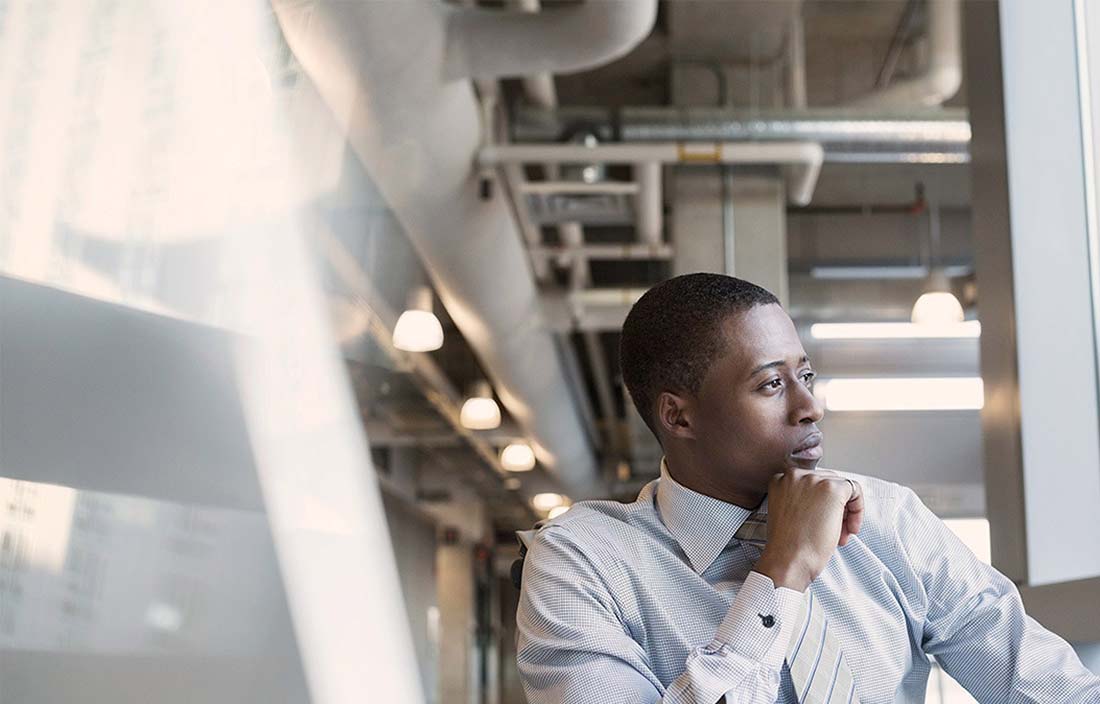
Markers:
818,669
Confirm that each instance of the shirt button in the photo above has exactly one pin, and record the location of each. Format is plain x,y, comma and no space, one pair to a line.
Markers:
768,620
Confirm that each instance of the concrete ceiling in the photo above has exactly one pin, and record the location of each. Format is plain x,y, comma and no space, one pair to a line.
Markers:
746,30
846,44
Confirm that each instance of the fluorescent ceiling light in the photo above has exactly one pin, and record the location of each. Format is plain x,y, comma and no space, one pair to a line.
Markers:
879,331
868,272
901,394
883,271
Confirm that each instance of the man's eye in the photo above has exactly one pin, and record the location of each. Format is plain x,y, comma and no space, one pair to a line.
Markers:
808,377
773,384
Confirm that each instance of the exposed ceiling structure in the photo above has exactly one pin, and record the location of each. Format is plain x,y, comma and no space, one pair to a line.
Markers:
536,254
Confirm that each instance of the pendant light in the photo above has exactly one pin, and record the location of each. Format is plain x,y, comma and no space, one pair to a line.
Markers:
518,457
480,411
418,330
937,306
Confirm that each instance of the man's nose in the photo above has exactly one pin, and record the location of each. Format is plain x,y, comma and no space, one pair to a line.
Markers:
805,407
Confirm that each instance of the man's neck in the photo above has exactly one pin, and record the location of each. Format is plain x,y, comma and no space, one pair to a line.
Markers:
698,475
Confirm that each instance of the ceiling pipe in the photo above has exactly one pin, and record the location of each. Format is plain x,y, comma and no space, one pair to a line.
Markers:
493,44
939,135
418,133
801,160
650,218
540,91
538,87
905,28
795,73
941,77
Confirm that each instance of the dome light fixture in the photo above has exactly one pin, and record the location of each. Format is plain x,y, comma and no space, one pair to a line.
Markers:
480,411
517,457
547,501
937,306
418,330
557,511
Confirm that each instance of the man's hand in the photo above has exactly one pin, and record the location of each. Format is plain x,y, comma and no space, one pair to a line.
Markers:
809,514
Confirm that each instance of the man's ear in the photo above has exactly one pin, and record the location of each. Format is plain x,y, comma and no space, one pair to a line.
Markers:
675,416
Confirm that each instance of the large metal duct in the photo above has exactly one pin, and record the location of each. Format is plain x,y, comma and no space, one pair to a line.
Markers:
942,75
494,44
932,136
382,69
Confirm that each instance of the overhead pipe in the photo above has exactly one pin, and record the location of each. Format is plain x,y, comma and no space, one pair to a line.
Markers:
795,74
540,91
902,32
930,136
650,208
802,160
417,132
538,87
493,44
608,251
941,78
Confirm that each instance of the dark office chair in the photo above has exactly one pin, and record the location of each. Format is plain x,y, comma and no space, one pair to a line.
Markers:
523,536
517,565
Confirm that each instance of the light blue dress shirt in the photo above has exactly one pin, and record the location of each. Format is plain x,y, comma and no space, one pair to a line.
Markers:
655,600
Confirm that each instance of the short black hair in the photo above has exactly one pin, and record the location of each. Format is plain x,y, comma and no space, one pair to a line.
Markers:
674,333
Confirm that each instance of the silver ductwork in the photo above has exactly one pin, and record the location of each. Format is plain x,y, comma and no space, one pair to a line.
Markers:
942,76
383,68
484,44
937,135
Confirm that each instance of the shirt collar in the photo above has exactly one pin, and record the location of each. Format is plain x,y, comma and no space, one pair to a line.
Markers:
701,524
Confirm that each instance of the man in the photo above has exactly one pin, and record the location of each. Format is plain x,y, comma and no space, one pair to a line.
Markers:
747,574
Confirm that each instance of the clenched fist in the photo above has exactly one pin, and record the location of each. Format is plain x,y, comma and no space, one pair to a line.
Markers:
809,514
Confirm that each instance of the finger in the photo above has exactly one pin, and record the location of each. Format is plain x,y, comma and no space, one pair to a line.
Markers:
853,510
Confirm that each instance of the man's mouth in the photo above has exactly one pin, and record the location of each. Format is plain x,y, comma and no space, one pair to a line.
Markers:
810,447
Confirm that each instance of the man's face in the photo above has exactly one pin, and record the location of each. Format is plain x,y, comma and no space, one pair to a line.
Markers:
756,412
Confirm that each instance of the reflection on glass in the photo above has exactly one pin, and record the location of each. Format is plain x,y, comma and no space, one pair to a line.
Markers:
165,161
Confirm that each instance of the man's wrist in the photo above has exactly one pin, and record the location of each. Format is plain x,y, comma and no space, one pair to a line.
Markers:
783,572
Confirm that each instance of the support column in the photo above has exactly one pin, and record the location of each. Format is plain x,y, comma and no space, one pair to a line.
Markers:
458,664
757,202
1035,221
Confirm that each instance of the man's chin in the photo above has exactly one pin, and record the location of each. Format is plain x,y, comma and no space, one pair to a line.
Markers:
808,463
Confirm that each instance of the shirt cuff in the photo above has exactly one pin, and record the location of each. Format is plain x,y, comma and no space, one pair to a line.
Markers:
760,621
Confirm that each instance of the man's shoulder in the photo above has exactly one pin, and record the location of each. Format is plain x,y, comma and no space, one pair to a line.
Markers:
594,526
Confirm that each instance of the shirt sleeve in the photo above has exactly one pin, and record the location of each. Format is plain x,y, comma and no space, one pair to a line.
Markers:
975,624
574,646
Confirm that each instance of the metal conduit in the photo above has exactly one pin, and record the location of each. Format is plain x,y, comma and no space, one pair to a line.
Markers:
937,135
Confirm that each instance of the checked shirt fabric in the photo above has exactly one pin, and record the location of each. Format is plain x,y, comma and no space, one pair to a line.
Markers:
818,670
